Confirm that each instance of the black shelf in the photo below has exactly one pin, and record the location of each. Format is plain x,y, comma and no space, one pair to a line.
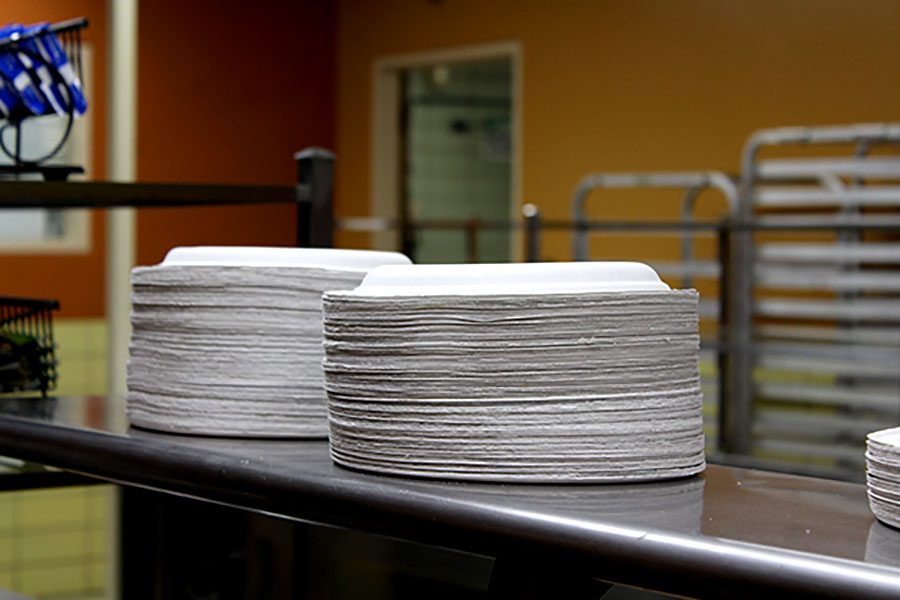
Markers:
312,195
38,194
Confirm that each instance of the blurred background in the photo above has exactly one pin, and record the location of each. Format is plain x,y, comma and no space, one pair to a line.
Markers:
455,114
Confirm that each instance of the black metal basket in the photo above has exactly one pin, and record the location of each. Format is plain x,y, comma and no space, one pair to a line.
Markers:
27,348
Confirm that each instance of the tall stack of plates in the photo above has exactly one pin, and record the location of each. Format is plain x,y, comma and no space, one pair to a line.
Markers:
228,340
883,475
523,372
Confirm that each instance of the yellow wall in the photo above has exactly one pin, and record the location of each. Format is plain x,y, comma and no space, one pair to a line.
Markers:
54,542
634,84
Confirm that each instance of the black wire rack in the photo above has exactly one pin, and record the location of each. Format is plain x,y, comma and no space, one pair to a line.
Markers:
27,348
69,34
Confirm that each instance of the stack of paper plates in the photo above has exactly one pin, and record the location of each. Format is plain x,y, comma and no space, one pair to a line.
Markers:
521,372
883,475
228,341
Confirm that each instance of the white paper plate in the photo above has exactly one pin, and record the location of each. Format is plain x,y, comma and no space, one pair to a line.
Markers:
885,440
517,278
883,474
257,256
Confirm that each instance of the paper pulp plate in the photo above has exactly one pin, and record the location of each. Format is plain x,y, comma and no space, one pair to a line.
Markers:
257,256
886,440
512,278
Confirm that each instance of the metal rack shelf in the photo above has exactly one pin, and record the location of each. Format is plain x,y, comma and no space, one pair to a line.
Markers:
312,194
846,365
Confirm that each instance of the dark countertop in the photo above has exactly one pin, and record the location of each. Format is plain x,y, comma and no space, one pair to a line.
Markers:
728,533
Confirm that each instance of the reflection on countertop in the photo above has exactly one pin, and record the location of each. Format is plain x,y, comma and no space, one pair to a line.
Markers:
724,504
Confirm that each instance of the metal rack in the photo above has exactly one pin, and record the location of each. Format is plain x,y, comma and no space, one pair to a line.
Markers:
815,323
693,185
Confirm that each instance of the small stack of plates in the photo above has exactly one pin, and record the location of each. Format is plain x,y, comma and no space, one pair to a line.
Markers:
228,340
583,372
883,475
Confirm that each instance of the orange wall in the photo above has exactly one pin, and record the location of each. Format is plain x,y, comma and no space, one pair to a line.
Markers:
226,94
75,280
634,84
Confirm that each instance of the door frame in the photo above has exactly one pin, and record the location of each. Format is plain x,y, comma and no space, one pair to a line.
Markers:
385,129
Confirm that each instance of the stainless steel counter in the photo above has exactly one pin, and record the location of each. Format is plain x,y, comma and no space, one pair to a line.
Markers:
729,533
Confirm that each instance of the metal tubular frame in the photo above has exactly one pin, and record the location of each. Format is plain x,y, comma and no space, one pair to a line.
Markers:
694,184
741,361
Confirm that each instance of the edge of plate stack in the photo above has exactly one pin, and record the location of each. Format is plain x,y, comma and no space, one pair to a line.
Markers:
228,340
535,372
883,475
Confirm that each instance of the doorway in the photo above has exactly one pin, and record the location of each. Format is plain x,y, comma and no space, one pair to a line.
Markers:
455,139
446,153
